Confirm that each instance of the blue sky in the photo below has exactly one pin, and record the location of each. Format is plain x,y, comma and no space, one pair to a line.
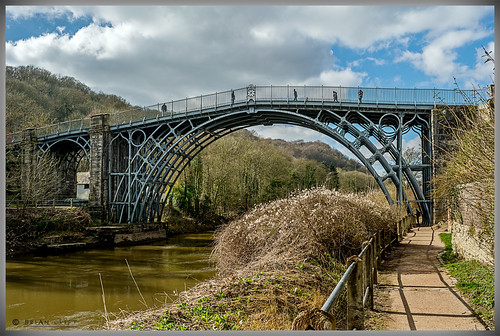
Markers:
153,54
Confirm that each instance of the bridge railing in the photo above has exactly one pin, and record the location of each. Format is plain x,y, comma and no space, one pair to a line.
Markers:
13,137
278,94
51,203
361,274
270,94
64,127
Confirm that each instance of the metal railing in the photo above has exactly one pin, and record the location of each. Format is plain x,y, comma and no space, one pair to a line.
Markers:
69,202
268,94
361,274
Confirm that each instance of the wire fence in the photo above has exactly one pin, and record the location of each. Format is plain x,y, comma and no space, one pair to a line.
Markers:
267,94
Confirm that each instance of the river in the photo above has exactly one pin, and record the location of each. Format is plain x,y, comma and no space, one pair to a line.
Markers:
64,292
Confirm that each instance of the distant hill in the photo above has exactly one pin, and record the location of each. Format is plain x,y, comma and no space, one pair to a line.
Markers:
319,151
36,97
313,150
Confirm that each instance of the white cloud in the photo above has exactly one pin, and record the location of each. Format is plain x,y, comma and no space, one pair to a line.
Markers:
27,12
344,77
415,142
358,62
289,133
152,54
438,59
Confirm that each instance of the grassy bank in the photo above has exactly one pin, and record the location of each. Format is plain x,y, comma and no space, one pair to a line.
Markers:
279,259
474,280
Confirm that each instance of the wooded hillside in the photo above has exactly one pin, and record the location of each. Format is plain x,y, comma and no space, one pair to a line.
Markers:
35,97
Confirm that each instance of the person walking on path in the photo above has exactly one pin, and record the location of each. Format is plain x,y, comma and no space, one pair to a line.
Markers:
360,95
294,95
164,108
232,97
335,96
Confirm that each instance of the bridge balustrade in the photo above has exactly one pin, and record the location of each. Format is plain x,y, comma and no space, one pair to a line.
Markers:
268,94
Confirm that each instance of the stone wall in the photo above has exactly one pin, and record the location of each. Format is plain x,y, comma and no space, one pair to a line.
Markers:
470,245
469,239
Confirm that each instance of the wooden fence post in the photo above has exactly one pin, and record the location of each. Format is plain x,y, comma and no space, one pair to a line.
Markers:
399,229
368,276
355,292
379,248
375,253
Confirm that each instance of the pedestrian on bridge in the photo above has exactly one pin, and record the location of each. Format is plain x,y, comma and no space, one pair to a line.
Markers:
232,97
335,96
164,108
360,95
294,95
418,217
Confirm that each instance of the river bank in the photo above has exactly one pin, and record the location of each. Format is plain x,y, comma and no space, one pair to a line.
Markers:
277,261
46,231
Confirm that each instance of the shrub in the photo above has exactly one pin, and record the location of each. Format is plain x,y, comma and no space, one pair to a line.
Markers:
306,226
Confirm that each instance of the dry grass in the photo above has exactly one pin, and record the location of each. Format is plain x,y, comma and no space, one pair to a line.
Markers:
469,163
279,259
310,225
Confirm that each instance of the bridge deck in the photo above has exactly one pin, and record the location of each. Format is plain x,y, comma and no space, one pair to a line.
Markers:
374,101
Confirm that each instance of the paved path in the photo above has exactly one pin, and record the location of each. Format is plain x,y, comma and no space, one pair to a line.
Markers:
415,293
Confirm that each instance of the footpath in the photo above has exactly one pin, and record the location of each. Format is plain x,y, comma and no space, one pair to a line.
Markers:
415,293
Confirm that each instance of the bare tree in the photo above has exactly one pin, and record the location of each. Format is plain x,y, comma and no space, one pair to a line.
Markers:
41,180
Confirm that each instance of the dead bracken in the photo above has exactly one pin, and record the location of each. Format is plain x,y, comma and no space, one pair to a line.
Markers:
277,260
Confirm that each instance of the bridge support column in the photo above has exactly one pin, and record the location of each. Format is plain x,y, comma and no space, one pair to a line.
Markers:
29,160
440,144
99,160
426,146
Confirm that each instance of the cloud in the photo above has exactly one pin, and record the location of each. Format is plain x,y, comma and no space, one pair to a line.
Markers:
344,77
153,54
28,12
290,133
439,58
358,62
415,142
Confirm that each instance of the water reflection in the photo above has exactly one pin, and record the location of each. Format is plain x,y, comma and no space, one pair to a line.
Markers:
64,292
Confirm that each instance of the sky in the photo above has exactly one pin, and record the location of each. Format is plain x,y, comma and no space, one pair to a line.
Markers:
154,54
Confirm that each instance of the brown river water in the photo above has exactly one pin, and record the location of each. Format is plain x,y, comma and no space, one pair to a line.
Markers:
64,292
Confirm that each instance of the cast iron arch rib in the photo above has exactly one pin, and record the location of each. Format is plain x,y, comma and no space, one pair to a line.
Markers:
168,150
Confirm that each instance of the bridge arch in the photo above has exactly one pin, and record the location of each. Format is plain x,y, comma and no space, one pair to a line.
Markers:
164,152
137,154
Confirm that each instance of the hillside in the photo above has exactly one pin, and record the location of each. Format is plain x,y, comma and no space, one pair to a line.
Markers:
319,151
36,97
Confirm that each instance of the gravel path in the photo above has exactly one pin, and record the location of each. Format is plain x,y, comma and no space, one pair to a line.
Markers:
415,293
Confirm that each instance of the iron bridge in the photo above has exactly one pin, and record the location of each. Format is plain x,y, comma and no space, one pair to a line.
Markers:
136,156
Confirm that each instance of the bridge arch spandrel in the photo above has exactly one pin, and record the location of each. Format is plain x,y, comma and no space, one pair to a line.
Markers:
167,150
64,156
